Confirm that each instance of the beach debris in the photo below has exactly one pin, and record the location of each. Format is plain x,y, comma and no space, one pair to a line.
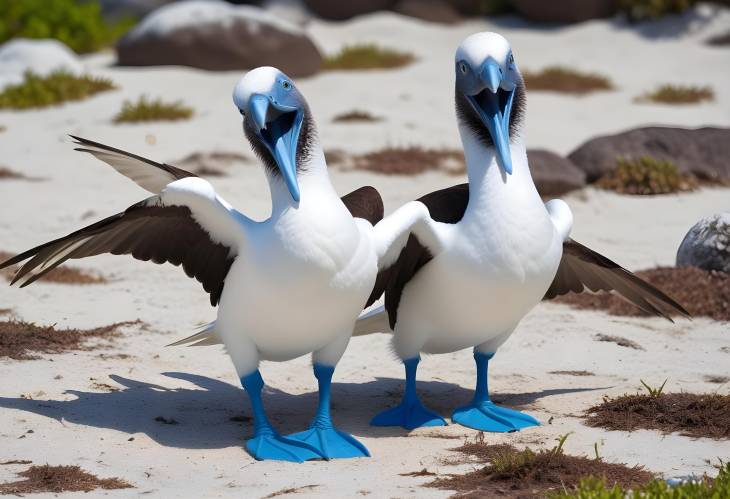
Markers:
57,479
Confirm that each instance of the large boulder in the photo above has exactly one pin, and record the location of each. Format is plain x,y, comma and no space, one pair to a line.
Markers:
703,152
707,244
553,174
435,11
215,35
39,56
339,10
565,11
120,9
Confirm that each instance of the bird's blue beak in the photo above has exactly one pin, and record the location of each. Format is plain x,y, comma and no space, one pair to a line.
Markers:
493,104
278,127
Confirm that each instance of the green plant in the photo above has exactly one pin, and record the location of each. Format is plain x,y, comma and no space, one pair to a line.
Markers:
646,175
558,449
678,94
654,392
567,80
702,488
55,88
639,10
152,110
77,24
367,56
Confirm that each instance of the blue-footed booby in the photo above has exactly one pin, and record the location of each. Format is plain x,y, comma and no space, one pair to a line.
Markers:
287,286
467,263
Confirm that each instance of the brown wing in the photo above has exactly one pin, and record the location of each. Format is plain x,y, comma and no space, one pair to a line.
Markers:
367,204
582,268
148,231
447,206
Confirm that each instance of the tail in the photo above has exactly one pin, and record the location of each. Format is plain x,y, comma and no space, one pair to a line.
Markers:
207,335
375,321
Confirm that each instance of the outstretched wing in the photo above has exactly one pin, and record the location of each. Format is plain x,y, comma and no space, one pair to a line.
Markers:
582,269
446,206
148,174
187,224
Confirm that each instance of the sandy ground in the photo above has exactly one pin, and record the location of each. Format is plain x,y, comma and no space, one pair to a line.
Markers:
114,433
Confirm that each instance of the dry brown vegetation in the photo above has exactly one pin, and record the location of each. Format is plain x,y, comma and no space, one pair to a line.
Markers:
291,490
411,160
20,340
513,473
8,174
355,116
701,292
678,94
63,274
573,373
367,56
646,176
566,80
691,414
619,340
55,479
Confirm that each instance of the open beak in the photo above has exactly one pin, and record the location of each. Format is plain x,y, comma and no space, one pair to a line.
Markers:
278,127
493,105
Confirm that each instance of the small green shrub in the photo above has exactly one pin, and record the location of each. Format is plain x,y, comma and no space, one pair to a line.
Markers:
703,488
77,24
152,110
640,10
646,175
367,56
55,88
567,80
678,94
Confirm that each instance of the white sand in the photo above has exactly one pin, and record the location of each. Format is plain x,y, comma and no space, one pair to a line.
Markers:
76,423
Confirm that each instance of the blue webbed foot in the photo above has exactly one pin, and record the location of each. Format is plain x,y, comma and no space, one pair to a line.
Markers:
279,448
487,416
331,443
410,414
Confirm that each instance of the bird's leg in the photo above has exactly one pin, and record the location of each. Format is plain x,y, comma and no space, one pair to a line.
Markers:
482,413
410,413
329,442
266,442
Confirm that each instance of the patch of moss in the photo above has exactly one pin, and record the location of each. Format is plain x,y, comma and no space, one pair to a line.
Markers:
701,488
645,176
55,88
641,10
152,110
566,80
77,24
678,94
367,56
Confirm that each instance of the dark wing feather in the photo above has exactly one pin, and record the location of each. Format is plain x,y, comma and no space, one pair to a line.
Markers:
445,205
367,204
146,173
148,231
582,268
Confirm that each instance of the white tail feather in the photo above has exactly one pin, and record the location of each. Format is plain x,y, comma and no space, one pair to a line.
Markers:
374,321
206,336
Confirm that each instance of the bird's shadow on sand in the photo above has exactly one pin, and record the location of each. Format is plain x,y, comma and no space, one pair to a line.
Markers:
215,415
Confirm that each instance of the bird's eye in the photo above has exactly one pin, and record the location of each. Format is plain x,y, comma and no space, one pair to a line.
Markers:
511,59
462,68
286,85
242,113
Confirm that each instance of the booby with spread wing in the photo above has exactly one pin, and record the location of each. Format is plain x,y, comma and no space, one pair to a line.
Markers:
290,285
466,263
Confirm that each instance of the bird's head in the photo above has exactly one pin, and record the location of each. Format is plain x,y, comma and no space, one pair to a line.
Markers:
489,92
274,114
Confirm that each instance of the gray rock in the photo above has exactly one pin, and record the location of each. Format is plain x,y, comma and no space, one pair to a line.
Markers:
215,35
39,56
435,11
339,10
119,9
553,174
565,11
703,152
707,244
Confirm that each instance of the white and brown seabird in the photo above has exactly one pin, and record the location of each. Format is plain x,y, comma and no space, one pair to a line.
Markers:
287,286
481,255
